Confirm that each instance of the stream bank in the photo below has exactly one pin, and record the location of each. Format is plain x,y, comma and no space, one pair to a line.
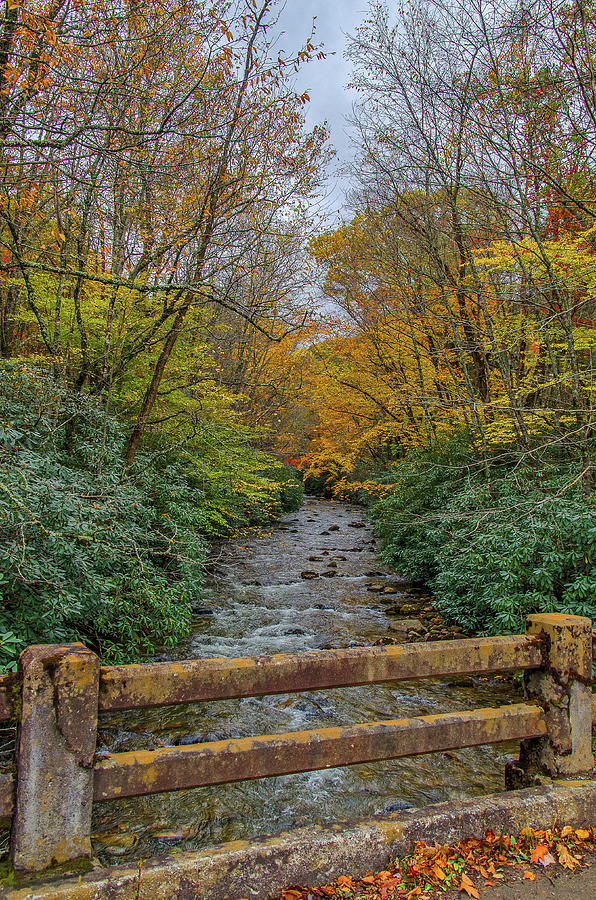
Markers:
311,581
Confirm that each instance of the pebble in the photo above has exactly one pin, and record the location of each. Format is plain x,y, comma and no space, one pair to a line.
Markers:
178,834
397,806
117,843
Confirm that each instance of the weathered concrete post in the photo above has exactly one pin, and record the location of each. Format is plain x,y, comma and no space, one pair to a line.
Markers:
563,687
55,749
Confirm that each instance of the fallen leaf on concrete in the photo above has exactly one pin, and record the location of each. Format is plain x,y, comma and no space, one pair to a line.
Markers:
567,860
438,872
429,870
538,853
469,887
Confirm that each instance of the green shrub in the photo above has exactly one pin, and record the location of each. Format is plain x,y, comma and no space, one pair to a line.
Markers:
492,551
409,519
517,549
88,552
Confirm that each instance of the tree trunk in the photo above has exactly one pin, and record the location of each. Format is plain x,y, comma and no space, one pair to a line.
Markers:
153,388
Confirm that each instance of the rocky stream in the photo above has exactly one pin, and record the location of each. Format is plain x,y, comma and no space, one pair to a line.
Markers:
311,581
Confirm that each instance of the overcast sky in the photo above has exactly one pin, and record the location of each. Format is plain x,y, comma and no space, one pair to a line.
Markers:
326,80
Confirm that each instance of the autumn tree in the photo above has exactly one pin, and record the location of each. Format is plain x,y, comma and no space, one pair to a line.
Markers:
163,146
463,280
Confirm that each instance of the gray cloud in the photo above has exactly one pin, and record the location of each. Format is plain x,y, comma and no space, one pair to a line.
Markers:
326,80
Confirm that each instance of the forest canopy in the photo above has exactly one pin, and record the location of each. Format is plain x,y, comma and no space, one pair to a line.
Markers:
455,382
169,302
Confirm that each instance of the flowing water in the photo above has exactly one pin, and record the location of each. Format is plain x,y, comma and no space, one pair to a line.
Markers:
311,581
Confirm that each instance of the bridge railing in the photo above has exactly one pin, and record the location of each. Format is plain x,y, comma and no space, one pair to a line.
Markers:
59,691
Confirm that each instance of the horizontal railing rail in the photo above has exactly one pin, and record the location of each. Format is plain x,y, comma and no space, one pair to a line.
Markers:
132,774
60,690
194,681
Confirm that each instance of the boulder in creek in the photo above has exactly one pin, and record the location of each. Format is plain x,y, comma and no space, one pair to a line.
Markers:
409,608
308,574
403,626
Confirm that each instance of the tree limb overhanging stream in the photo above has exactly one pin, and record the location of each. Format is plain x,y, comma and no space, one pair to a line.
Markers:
311,581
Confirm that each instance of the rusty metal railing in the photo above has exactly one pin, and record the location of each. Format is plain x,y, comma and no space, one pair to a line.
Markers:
60,690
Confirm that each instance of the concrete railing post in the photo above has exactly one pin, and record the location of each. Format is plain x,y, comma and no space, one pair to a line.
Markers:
55,750
563,687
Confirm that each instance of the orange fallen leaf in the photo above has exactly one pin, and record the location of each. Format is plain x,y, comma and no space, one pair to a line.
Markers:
567,860
538,853
438,871
368,879
530,876
469,887
582,834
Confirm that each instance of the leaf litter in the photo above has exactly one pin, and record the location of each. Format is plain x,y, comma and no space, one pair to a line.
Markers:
466,868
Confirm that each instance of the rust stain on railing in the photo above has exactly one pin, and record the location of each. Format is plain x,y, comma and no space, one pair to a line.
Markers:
192,681
135,773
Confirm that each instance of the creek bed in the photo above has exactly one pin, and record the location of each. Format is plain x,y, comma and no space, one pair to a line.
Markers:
311,581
